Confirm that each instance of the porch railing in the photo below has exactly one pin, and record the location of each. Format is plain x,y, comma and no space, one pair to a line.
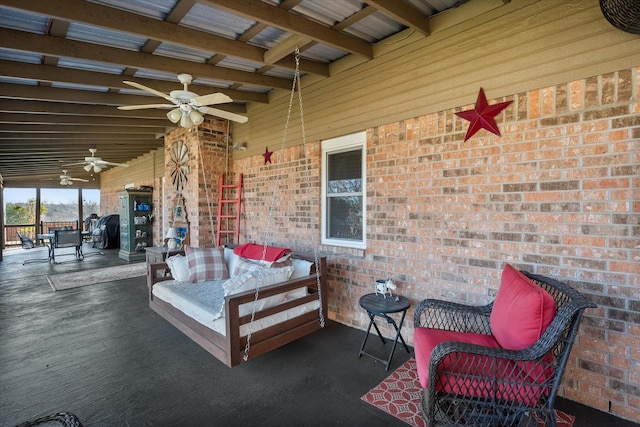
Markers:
29,230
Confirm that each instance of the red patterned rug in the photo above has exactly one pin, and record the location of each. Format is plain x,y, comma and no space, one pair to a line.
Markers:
400,394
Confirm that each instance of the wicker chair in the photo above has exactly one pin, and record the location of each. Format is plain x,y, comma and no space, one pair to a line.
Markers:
60,419
472,384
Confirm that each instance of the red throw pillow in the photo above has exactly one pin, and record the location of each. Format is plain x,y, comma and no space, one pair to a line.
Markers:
521,312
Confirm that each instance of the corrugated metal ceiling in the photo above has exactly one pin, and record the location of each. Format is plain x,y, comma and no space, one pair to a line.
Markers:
217,38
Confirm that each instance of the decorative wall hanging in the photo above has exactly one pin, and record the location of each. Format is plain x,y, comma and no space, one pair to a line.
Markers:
482,115
178,165
267,155
179,213
622,14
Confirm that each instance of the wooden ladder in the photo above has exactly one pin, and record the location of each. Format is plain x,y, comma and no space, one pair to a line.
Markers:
229,209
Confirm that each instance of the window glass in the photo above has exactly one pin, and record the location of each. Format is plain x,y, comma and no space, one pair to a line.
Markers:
59,204
343,204
90,202
19,206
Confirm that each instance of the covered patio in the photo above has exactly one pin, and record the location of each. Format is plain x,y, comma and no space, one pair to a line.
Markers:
441,141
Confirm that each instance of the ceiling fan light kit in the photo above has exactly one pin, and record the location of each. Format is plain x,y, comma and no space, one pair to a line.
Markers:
196,118
96,168
187,107
174,115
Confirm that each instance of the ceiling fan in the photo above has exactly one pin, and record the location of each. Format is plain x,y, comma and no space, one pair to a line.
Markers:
187,107
96,163
65,179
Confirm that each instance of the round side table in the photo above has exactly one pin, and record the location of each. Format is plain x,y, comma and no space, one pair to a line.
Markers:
381,306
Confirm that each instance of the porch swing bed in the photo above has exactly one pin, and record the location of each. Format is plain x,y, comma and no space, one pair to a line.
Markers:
280,313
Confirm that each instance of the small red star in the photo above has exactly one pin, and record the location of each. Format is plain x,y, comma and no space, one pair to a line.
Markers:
482,116
267,155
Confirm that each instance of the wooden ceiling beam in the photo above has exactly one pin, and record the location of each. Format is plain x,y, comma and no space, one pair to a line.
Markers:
45,107
44,93
49,73
46,45
77,128
43,119
289,45
75,136
164,31
263,12
404,13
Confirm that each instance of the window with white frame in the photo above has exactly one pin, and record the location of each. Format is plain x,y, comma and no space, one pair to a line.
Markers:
343,191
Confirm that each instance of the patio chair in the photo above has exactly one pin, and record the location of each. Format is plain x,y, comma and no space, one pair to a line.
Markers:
28,243
68,239
60,419
500,364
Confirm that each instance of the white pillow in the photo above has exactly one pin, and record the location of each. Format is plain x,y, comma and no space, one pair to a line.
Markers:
249,282
179,267
301,268
231,259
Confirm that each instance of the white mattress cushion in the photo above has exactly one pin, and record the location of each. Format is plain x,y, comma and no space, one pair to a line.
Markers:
203,301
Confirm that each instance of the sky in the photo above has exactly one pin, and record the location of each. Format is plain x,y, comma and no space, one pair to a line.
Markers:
50,195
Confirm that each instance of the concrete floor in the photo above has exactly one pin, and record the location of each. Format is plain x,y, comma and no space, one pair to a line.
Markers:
101,353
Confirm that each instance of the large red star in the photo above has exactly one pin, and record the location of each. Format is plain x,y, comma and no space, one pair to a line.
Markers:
267,155
482,116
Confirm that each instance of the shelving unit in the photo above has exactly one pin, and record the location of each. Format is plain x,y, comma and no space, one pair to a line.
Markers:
136,230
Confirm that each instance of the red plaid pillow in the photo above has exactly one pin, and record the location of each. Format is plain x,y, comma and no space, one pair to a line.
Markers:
206,264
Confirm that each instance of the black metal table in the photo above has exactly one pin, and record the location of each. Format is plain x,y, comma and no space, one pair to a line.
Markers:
378,305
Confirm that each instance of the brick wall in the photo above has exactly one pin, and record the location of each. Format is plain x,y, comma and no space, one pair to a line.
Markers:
558,194
208,150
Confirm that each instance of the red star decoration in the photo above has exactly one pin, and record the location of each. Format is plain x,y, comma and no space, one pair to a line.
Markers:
267,155
482,116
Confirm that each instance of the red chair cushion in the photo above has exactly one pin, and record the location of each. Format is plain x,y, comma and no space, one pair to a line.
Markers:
426,339
476,375
522,311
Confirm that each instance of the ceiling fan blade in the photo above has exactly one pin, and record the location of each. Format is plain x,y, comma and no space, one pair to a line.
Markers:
148,89
78,179
142,107
224,114
212,98
103,163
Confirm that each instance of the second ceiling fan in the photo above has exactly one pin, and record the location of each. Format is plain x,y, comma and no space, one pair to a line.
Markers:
187,107
96,163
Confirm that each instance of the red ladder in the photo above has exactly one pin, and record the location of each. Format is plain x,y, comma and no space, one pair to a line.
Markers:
229,211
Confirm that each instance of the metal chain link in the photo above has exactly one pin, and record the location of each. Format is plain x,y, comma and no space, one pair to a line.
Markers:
308,173
296,78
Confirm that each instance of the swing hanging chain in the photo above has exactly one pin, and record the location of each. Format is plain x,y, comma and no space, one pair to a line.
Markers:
296,81
307,161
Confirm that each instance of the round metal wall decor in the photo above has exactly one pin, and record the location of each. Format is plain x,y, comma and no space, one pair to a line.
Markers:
178,165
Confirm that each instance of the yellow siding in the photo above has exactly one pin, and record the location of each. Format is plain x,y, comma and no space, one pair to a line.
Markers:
508,49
